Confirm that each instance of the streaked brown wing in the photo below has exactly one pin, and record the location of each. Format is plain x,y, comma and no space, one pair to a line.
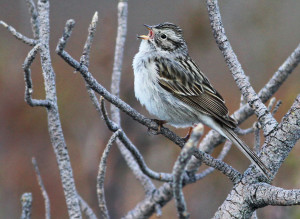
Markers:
186,82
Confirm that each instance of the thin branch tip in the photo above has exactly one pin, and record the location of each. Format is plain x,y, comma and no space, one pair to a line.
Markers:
26,201
95,17
70,23
3,24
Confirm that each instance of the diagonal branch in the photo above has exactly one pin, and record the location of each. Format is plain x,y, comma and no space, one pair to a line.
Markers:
165,177
221,156
19,36
264,116
86,209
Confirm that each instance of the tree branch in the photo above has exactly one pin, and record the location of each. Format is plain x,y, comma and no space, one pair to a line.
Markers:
86,209
19,36
28,81
179,167
26,201
35,23
264,116
101,176
131,159
264,194
42,187
221,156
212,139
275,150
165,177
118,57
54,125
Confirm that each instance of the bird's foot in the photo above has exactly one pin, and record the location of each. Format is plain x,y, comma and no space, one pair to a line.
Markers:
187,137
160,124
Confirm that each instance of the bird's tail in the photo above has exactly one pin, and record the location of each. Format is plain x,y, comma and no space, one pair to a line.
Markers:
246,150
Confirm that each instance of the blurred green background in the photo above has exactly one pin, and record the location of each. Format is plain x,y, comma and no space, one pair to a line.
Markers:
262,33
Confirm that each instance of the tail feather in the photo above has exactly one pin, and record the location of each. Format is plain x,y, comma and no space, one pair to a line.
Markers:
246,150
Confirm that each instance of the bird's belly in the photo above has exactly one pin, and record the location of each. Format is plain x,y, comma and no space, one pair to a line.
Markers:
158,101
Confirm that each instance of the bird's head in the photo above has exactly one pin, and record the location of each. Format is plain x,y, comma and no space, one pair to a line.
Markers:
164,37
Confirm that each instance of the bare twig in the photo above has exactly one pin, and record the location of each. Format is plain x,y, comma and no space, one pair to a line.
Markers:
35,23
262,194
256,138
118,57
115,90
85,58
26,201
41,14
41,31
276,107
264,116
112,126
86,209
179,167
54,124
101,176
280,75
224,168
271,103
43,190
165,177
277,146
28,82
221,156
19,36
246,131
254,215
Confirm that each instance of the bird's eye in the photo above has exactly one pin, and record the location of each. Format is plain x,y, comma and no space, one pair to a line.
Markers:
163,36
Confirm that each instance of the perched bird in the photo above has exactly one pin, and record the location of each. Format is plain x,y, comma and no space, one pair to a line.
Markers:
171,87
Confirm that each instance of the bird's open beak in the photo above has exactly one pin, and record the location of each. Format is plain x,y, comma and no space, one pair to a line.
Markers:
149,36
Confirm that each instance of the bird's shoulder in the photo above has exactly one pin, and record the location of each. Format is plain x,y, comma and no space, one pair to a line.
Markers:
182,77
183,73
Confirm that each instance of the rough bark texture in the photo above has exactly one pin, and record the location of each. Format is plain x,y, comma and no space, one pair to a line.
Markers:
239,203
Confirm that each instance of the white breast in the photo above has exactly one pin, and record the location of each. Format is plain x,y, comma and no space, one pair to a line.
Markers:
158,101
145,88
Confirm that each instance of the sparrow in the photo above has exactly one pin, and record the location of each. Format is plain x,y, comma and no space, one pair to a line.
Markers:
171,87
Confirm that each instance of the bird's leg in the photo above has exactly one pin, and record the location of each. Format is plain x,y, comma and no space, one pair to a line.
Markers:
160,124
187,137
